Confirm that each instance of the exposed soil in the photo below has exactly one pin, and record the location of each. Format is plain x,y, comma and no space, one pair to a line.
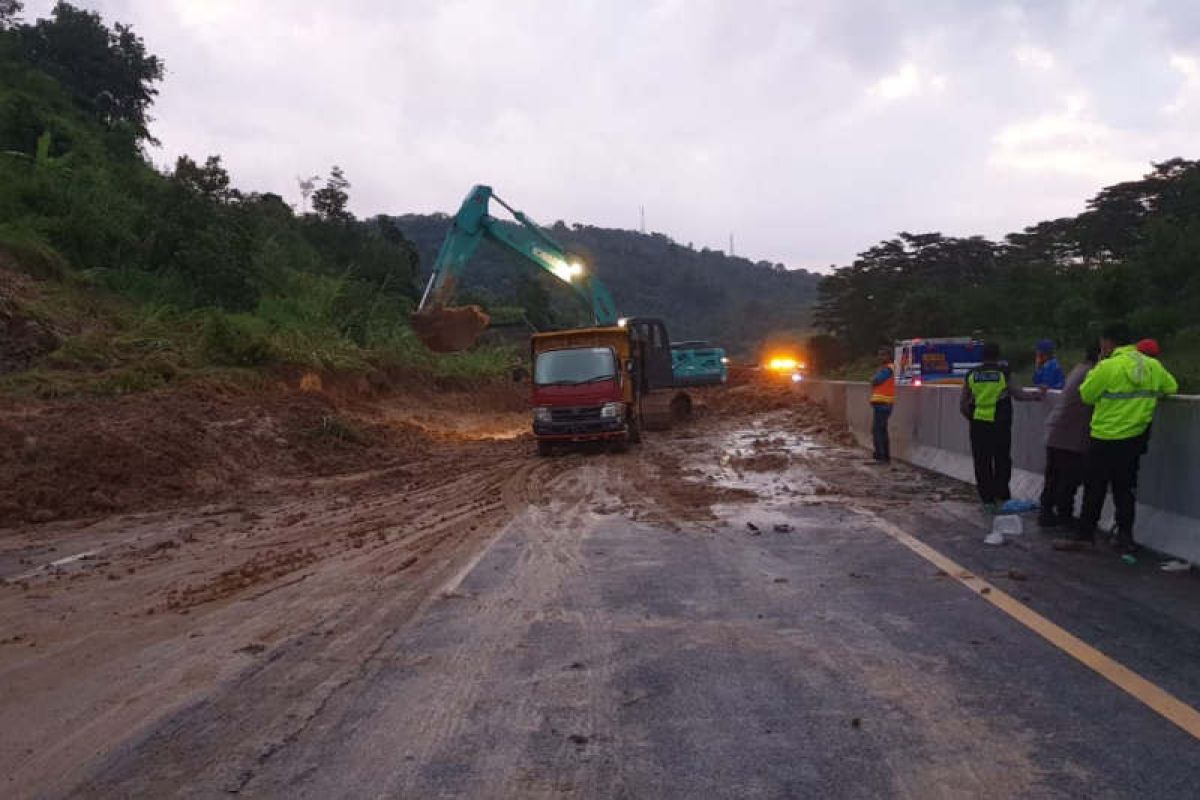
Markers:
77,457
764,393
450,329
279,540
22,340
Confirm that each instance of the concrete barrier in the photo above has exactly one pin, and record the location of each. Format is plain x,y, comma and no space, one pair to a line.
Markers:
928,430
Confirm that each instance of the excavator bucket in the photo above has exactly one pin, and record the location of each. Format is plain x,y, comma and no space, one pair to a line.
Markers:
450,329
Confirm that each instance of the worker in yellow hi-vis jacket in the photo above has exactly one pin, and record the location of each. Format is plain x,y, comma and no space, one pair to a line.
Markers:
986,402
1124,388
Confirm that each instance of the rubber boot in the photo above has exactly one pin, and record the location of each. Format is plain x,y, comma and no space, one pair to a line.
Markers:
1123,542
1080,539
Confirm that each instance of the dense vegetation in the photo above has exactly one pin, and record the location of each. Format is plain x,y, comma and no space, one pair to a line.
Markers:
702,294
148,274
182,264
1133,254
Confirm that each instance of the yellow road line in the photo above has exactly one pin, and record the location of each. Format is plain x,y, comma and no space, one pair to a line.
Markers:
1158,699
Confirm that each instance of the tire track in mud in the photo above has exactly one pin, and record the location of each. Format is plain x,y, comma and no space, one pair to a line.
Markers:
387,545
423,721
336,619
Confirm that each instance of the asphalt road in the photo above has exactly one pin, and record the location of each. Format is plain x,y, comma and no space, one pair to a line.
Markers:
607,643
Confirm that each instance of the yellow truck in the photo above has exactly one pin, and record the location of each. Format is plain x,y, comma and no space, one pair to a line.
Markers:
603,384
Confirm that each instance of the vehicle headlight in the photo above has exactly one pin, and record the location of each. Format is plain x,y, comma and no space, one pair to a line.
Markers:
724,360
612,410
797,377
542,414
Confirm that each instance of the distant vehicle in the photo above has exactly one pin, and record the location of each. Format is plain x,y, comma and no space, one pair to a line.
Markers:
786,367
936,361
698,363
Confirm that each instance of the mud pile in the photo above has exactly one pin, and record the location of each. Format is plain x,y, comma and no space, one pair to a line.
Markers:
22,340
450,329
755,397
77,457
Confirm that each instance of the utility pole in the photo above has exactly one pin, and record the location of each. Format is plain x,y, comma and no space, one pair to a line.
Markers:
731,244
643,210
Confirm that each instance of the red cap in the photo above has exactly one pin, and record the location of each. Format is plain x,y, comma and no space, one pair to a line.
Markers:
1148,346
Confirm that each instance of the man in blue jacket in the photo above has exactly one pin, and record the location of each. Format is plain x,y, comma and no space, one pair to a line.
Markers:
1047,371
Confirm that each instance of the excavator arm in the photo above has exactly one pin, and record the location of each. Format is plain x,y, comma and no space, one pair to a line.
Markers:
443,327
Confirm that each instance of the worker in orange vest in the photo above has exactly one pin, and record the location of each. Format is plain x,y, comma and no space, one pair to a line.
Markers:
883,398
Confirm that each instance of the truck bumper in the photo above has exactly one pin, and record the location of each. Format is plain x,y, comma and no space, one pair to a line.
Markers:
592,430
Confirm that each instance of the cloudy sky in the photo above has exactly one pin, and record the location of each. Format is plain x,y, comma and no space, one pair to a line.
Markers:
810,130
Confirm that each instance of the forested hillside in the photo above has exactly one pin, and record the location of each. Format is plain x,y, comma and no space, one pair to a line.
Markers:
700,293
146,276
1133,254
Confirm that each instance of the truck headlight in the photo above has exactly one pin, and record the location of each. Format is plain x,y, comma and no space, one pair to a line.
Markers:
542,414
612,410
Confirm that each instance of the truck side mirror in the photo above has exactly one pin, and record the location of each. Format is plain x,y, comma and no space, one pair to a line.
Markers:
519,374
629,365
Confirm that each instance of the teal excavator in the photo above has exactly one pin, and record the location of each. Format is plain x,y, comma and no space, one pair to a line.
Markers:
446,328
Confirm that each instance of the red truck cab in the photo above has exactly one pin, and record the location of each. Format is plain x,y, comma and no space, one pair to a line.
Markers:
583,387
597,384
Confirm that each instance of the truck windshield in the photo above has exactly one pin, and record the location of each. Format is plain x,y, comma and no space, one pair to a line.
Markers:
575,365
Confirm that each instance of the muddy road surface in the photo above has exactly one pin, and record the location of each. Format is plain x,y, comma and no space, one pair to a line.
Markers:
729,610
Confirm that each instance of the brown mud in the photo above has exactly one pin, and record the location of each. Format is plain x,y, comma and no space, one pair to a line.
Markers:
202,540
450,329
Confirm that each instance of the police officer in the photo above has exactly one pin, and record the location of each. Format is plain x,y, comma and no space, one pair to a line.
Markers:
1124,388
986,402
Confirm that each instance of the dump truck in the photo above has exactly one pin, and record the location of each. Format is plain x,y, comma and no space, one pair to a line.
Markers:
604,384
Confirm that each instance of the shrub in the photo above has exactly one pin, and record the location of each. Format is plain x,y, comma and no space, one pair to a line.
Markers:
237,340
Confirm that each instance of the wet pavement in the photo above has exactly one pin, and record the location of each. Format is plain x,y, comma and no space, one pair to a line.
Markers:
786,647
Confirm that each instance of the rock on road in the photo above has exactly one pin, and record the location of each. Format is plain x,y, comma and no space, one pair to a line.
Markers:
717,615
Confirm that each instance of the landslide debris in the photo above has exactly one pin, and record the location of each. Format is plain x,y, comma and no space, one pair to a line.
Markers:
82,456
23,340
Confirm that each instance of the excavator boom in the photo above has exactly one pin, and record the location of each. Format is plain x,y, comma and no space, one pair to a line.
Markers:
444,327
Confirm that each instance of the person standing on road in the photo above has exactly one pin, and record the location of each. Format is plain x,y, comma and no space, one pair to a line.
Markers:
986,402
883,399
1047,371
1147,347
1125,389
1067,427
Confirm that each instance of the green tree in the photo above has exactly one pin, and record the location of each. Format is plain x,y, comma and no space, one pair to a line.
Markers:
210,180
329,202
10,11
108,72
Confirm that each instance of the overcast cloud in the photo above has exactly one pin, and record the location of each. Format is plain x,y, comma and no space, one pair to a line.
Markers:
808,129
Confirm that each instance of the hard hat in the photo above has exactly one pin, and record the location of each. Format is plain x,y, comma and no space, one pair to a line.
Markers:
1045,346
1148,346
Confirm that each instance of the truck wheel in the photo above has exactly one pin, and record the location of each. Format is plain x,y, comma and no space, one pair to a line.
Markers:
681,407
619,445
635,430
545,448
